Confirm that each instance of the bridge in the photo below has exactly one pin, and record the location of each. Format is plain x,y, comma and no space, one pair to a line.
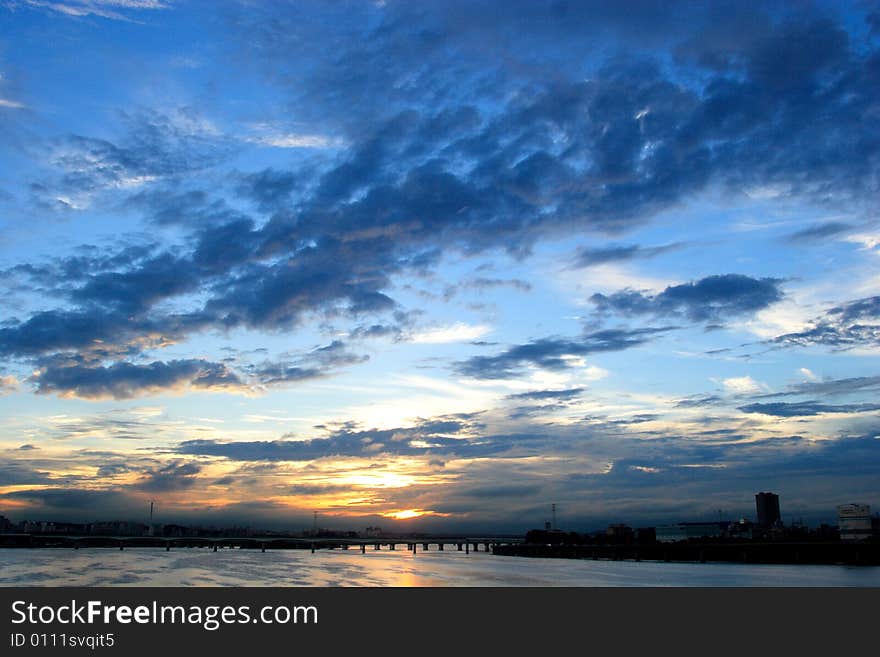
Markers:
411,544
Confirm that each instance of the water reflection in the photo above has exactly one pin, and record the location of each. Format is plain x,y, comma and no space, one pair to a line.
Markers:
202,567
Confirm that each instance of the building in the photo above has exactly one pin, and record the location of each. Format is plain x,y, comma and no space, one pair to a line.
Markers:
767,507
619,533
854,522
5,525
683,531
646,535
741,529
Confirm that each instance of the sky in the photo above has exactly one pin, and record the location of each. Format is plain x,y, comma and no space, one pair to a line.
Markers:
437,266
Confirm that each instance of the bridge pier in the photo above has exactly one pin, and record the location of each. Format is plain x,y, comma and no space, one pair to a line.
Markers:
363,548
467,547
459,547
215,547
121,546
377,546
262,547
440,546
425,547
76,546
313,548
391,546
168,547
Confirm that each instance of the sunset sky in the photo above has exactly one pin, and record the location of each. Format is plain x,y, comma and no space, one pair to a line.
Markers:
438,265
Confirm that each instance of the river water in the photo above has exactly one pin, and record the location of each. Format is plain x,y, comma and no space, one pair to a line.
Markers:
202,567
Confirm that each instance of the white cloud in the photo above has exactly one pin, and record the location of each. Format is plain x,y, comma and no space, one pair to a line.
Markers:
130,4
8,384
11,104
102,8
133,181
764,192
266,134
868,241
787,316
807,374
614,277
458,332
293,140
593,373
743,385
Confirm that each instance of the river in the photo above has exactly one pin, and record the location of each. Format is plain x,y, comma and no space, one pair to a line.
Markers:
202,567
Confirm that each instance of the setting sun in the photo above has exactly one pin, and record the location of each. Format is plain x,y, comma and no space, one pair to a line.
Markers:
405,514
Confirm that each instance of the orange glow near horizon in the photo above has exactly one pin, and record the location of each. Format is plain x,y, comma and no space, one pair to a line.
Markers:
407,514
404,515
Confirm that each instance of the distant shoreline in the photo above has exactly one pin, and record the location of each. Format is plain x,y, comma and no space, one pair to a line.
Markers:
788,553
807,553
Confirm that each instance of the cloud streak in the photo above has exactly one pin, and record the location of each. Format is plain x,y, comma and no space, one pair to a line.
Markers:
713,298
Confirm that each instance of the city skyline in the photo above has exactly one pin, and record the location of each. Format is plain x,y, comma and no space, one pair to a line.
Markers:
437,266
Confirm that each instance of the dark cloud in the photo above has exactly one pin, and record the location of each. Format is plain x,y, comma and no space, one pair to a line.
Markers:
269,188
93,334
831,335
22,474
79,377
155,145
499,492
458,142
568,393
309,490
139,288
114,469
169,478
123,380
552,353
318,363
806,408
709,299
167,206
533,410
832,387
698,400
79,503
843,327
589,256
454,436
854,311
638,418
483,283
377,331
821,231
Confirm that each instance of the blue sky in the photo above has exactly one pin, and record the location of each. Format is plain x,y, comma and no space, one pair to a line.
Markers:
438,265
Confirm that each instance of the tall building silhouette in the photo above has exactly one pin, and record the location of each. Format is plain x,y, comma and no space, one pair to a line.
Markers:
767,507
